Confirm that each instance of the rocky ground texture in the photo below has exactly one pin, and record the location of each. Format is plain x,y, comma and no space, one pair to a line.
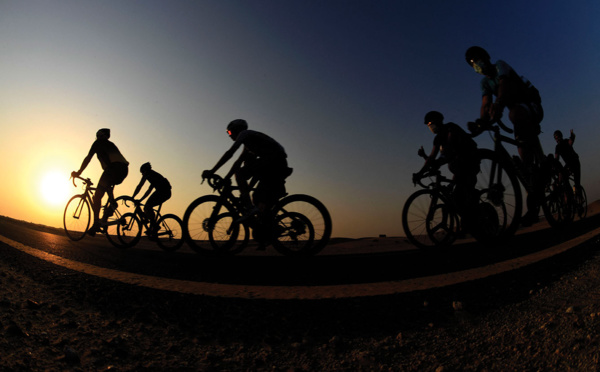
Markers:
543,317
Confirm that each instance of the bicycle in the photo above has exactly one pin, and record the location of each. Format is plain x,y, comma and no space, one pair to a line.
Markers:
430,216
502,175
77,216
297,225
167,231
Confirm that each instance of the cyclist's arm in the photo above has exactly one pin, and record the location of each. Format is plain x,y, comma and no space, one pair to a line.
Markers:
572,138
147,192
86,160
430,160
139,187
486,104
225,158
238,163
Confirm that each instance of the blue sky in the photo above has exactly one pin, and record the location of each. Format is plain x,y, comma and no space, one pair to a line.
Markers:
342,85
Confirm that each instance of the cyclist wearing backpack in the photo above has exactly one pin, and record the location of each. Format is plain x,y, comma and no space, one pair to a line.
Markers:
459,151
161,195
564,149
525,111
115,170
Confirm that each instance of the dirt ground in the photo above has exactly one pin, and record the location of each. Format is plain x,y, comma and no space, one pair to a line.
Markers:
543,317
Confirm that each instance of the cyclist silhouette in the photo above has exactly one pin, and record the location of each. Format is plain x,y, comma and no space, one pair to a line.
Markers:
115,170
564,149
263,159
161,195
525,112
459,151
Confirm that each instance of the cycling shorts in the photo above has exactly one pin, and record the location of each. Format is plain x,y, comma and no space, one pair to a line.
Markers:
532,128
114,174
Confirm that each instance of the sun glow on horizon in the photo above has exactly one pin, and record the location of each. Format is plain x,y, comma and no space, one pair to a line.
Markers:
54,188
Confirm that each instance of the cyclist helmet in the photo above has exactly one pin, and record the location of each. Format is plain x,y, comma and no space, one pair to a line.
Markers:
145,167
475,54
104,133
434,117
236,126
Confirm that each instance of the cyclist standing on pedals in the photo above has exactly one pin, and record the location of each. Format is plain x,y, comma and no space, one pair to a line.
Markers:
525,112
459,151
115,170
161,195
264,160
564,149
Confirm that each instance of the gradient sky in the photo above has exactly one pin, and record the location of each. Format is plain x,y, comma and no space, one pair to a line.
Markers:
342,85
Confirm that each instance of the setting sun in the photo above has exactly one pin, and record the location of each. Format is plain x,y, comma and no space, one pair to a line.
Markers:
55,189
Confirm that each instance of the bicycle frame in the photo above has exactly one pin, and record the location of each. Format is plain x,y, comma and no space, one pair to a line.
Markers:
89,193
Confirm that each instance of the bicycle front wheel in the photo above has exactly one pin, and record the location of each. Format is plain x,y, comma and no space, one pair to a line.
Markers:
129,230
498,186
77,217
170,232
209,226
114,213
428,221
302,226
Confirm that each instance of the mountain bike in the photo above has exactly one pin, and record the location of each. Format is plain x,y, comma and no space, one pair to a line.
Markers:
502,175
430,216
166,230
297,225
78,216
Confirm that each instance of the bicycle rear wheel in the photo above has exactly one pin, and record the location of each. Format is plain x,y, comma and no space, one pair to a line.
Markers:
170,232
302,226
558,202
129,230
428,221
77,217
209,226
498,186
581,202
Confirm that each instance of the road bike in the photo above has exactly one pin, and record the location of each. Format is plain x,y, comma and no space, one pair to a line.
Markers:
297,225
502,175
166,230
430,217
78,216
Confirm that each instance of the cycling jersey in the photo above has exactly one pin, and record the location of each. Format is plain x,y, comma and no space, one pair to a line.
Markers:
457,148
159,182
107,153
489,85
566,151
259,144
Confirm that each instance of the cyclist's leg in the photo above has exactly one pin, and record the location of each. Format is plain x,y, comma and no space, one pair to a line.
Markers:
575,169
527,128
157,198
112,176
247,171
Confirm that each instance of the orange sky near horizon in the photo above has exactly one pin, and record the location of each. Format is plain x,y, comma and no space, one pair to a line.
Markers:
342,85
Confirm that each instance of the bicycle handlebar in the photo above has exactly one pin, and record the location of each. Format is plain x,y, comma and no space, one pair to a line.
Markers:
217,182
479,125
432,172
85,180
